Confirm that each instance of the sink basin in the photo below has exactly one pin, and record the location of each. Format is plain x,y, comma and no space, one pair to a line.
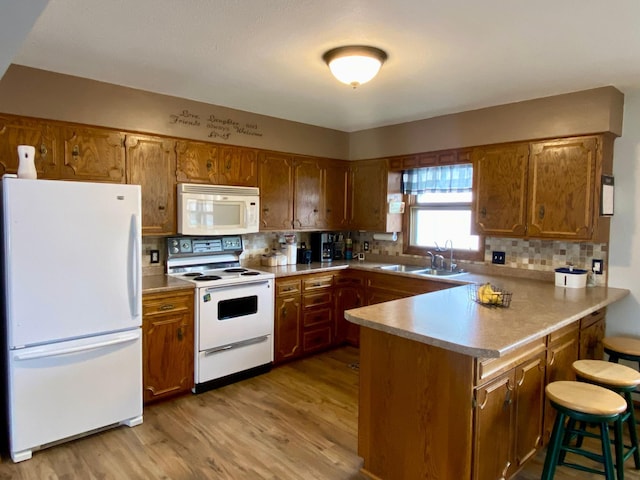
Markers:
402,268
438,273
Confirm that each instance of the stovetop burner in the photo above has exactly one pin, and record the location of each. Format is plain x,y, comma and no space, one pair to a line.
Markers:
204,278
250,273
235,270
192,274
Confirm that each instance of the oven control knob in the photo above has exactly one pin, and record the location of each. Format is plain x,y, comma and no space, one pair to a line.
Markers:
175,250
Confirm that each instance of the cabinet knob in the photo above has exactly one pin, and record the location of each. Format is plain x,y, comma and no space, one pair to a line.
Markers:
541,212
180,334
43,150
161,207
209,165
228,165
483,212
75,151
284,311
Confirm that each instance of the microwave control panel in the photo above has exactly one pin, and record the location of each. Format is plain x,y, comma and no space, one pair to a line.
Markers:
203,245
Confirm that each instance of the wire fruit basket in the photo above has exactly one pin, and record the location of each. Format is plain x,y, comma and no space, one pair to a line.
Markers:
489,295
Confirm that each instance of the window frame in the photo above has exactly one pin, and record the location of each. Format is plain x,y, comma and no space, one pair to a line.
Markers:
458,254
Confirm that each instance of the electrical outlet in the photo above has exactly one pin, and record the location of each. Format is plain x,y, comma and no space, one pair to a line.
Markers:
498,257
366,246
596,266
155,256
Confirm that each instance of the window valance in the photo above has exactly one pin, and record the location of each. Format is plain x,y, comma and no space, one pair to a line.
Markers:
442,179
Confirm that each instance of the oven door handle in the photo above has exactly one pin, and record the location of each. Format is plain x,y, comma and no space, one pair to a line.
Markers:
237,285
244,343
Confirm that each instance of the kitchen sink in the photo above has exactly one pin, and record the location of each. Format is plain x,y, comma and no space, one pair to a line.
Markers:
402,268
438,273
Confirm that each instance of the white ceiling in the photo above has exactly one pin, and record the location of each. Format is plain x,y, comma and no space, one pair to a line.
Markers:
264,56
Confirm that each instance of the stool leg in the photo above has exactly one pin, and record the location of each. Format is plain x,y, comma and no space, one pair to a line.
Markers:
633,434
618,445
553,449
566,439
609,471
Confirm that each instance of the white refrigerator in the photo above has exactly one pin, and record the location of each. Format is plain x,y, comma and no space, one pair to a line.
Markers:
72,300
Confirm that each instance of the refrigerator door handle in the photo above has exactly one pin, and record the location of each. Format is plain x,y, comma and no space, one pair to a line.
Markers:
135,267
81,348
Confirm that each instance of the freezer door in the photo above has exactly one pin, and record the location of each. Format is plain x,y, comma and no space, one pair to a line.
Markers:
72,259
69,388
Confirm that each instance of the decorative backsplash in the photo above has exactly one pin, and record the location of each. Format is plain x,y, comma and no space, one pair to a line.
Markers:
538,255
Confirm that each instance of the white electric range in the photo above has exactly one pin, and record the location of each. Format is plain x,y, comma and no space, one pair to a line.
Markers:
234,309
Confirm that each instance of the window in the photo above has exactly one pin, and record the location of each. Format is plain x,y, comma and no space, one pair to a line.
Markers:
440,210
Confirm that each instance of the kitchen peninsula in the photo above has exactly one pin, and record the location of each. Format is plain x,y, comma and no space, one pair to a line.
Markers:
453,389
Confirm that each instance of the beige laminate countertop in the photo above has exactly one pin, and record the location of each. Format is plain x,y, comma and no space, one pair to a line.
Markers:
163,283
449,319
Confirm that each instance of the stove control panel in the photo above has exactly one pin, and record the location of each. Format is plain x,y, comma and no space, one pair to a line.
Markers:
178,246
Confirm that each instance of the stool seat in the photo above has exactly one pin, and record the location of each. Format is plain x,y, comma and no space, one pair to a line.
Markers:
626,345
586,398
607,373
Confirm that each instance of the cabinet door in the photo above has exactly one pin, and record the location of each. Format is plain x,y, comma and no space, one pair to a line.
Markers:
167,345
151,164
368,195
93,155
529,406
591,347
288,328
17,131
492,424
560,356
238,166
500,187
375,295
309,203
561,188
336,195
196,162
275,179
347,298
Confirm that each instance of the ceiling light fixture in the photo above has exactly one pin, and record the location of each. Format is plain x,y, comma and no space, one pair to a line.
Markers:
354,64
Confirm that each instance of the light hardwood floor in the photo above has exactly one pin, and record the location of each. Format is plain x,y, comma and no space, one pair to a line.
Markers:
297,422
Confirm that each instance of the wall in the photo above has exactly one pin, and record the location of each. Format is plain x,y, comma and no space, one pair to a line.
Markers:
590,111
624,261
39,93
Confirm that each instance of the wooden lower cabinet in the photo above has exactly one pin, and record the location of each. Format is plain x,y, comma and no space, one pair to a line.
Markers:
508,414
348,294
167,344
592,330
288,328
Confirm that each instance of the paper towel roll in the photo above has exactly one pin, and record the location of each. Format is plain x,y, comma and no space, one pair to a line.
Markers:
387,237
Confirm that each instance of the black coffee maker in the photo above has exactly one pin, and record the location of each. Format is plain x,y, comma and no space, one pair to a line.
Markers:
322,247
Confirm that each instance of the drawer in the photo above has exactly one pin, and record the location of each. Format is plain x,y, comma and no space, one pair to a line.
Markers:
316,299
287,287
558,335
489,368
316,339
317,282
348,281
315,317
158,304
586,322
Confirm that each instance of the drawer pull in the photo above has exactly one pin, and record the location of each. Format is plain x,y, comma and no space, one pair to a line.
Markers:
167,306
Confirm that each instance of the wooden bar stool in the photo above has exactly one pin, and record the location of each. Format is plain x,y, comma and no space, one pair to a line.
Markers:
582,402
627,348
622,380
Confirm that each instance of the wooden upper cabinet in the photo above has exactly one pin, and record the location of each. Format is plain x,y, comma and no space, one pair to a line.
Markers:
93,155
373,185
309,203
500,187
337,206
238,166
151,163
275,180
196,162
561,188
16,131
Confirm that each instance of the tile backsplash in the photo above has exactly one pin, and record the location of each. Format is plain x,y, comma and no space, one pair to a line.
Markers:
532,254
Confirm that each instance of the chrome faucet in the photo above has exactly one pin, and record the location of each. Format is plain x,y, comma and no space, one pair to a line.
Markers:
432,258
441,258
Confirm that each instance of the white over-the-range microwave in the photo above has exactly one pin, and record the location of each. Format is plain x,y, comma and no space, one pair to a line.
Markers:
217,209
